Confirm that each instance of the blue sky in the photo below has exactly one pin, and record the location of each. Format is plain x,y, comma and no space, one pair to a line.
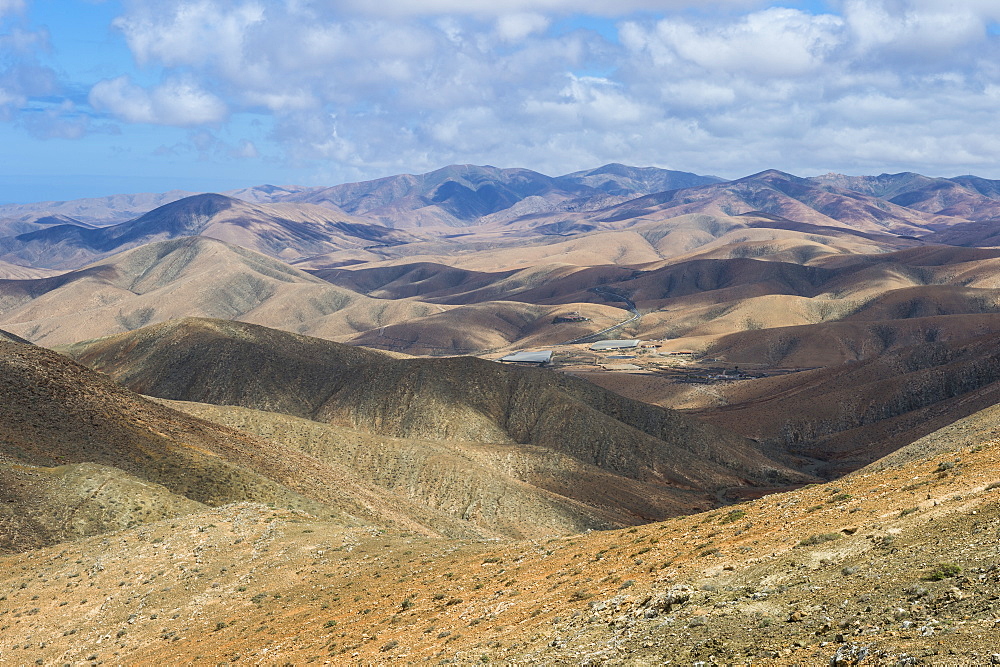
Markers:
105,97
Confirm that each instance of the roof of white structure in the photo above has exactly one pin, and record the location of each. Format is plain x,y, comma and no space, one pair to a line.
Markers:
536,357
614,344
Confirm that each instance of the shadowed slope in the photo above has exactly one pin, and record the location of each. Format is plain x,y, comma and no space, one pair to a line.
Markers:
905,548
517,491
287,230
459,398
853,413
188,276
54,412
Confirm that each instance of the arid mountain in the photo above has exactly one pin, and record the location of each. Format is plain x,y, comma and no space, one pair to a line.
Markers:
784,195
97,211
286,231
967,197
899,390
80,454
621,180
211,490
33,222
892,564
464,195
465,399
184,277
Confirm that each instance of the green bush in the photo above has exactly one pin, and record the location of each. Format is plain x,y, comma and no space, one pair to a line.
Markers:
819,539
943,571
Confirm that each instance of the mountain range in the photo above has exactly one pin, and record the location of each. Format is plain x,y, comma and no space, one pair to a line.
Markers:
273,425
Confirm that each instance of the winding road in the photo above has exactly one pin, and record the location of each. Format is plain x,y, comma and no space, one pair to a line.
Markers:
614,296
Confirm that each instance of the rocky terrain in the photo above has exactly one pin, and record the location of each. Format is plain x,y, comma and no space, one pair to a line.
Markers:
896,563
267,426
555,432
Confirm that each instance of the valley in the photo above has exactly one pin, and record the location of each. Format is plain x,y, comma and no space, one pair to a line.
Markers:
274,425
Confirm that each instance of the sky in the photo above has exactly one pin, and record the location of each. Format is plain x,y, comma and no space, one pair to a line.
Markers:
119,96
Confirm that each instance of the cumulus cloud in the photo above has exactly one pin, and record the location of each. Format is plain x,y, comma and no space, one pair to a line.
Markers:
176,102
515,27
363,89
11,6
771,43
591,7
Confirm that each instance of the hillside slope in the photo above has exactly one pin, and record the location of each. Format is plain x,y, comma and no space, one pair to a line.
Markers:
288,231
57,418
894,564
192,276
230,363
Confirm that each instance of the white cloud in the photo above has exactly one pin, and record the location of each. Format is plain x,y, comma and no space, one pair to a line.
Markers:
515,27
771,43
405,84
917,30
500,7
11,6
176,102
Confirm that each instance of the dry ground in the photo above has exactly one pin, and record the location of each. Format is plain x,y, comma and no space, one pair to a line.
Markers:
900,562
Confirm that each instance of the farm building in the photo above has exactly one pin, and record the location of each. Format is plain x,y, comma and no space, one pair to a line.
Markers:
605,345
538,358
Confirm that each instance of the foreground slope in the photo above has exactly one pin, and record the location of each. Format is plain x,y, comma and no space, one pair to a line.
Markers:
892,565
80,454
230,363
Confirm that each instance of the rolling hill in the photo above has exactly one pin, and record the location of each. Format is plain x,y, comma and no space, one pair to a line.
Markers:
464,399
182,277
80,454
890,564
283,230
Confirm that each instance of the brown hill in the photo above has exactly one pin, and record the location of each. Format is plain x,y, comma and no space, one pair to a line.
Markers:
964,197
517,491
850,414
81,454
229,363
892,564
774,193
96,211
288,231
189,276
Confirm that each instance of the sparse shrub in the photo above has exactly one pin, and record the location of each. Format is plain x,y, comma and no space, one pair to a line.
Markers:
581,594
492,559
330,624
220,625
733,516
849,570
908,510
388,646
994,485
945,466
819,538
406,604
839,498
943,571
